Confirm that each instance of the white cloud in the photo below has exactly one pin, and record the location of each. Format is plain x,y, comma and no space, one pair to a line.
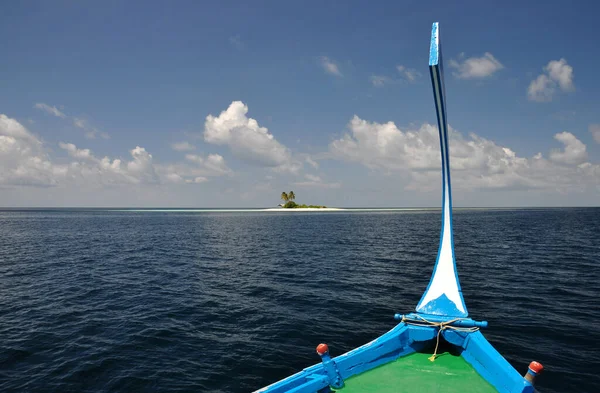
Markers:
406,75
541,89
380,80
476,67
93,171
213,164
183,146
574,152
52,110
409,74
174,178
90,132
330,66
194,158
595,131
216,163
476,161
247,140
75,152
312,162
557,74
198,169
79,123
12,128
313,177
24,161
562,73
141,166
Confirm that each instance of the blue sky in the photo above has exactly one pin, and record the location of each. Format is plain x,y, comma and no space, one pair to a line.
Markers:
106,103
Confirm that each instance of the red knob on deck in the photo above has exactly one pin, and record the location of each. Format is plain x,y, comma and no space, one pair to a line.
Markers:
322,349
536,367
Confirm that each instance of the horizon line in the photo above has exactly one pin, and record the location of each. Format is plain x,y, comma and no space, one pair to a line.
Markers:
274,208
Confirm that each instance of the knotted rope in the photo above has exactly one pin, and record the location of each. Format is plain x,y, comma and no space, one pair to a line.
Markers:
441,325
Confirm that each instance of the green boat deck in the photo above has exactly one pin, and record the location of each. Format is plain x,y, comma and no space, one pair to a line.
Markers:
416,373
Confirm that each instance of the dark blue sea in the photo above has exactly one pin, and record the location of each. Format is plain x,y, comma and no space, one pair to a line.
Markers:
128,301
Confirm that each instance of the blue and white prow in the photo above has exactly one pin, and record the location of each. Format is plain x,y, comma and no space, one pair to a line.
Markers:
443,295
441,312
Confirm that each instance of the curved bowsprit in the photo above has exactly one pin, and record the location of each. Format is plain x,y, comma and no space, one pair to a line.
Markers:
443,296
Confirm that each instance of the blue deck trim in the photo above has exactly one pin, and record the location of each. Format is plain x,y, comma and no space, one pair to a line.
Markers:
402,341
492,366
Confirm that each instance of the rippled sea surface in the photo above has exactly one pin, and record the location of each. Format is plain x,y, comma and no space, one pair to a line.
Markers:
103,301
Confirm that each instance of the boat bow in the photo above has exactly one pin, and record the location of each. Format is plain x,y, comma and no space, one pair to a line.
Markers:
399,361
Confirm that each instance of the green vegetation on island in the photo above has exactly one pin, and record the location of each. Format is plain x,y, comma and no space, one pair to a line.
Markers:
288,198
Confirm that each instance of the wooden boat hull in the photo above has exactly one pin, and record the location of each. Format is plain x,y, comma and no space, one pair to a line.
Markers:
401,341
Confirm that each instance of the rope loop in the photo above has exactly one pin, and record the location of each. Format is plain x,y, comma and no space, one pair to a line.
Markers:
441,326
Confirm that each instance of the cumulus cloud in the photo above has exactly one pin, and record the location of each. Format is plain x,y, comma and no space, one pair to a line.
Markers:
75,152
25,161
562,73
197,169
13,129
595,131
475,67
183,146
214,163
557,75
330,66
476,162
141,166
92,170
541,89
22,158
574,152
247,140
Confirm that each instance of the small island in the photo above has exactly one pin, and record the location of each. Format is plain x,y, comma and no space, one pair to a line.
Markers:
288,198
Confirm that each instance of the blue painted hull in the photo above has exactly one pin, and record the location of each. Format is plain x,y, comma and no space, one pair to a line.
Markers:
403,340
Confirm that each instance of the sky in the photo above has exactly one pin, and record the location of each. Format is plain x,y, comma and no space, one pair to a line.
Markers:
227,104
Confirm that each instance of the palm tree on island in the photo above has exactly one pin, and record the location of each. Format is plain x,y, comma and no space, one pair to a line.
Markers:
288,198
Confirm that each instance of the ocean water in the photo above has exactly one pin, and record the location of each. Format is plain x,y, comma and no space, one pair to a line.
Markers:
121,301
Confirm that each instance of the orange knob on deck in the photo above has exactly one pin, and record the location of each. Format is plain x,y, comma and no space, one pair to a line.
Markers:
536,367
322,349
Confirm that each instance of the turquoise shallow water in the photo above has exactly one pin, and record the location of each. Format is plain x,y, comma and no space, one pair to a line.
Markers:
99,301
